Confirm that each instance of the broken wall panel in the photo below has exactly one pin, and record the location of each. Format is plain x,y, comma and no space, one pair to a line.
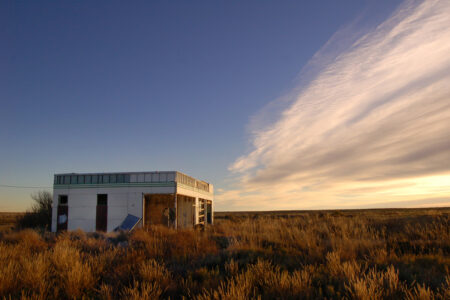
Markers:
185,211
159,209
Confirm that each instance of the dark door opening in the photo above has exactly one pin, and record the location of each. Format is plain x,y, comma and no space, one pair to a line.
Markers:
63,213
101,223
208,212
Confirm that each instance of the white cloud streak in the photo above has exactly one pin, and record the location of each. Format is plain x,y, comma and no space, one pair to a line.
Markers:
374,121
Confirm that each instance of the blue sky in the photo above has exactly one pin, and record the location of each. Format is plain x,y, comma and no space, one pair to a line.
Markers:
93,86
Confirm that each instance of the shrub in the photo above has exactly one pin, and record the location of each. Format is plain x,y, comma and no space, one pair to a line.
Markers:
40,213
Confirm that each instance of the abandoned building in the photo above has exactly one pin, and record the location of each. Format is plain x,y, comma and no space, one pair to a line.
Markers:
108,201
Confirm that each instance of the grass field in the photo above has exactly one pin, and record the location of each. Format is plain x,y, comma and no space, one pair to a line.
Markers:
8,220
355,254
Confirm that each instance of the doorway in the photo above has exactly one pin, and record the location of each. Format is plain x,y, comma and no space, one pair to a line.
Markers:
101,223
63,213
208,211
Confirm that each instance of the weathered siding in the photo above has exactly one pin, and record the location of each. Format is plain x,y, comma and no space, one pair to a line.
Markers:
185,211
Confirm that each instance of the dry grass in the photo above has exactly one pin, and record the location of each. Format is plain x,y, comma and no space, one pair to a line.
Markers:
9,220
371,254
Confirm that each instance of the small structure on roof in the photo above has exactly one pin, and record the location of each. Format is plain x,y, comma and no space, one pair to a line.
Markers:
109,201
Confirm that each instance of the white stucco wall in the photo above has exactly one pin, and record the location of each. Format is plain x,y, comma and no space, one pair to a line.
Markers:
82,203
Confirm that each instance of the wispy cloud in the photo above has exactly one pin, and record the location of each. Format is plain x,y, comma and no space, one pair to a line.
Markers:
372,125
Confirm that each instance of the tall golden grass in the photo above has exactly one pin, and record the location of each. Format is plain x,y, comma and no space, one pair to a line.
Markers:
354,255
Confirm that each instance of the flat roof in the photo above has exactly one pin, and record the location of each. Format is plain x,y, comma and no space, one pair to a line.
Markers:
102,173
125,178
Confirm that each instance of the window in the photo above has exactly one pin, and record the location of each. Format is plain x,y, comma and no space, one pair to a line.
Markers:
102,199
62,200
112,178
66,179
95,179
120,178
141,177
105,179
73,179
87,179
155,177
80,179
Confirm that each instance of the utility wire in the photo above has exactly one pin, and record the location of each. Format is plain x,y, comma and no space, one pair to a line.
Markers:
24,187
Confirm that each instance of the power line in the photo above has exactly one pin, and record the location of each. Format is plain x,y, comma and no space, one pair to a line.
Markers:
24,187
